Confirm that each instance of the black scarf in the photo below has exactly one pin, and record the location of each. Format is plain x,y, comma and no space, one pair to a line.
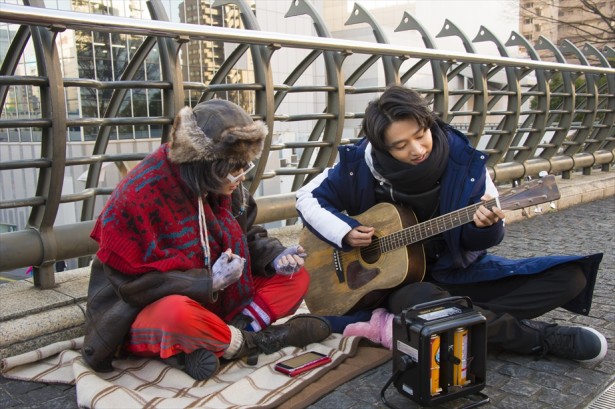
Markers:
415,179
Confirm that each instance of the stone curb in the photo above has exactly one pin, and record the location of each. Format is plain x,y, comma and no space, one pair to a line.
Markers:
30,318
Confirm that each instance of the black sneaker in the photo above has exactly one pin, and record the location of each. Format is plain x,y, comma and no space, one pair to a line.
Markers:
582,344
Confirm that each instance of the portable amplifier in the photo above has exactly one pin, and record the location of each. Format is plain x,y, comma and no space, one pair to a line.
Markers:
439,352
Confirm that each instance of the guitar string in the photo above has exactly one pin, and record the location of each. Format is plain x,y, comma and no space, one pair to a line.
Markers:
374,247
379,244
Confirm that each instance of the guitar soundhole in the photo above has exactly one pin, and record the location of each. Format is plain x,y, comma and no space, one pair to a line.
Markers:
359,276
371,253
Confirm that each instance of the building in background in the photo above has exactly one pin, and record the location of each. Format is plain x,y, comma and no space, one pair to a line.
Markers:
202,59
104,57
578,21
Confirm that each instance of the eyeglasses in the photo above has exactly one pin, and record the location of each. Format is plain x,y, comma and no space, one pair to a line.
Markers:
247,169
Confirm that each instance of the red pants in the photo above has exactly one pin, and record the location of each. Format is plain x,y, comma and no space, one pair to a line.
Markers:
177,323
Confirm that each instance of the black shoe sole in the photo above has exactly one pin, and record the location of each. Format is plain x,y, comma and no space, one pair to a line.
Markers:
201,364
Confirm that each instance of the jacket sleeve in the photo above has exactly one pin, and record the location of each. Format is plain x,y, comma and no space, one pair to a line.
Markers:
320,206
263,248
475,239
482,238
144,289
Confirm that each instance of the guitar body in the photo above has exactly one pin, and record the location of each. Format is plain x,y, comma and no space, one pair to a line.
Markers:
346,281
364,275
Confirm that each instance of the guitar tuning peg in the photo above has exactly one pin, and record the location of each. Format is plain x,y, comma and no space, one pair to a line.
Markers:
552,205
528,178
524,213
537,209
543,173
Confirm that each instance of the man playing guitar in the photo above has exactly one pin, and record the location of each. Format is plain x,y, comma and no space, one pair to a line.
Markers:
413,160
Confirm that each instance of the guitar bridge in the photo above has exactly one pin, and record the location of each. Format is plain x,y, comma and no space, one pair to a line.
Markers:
337,264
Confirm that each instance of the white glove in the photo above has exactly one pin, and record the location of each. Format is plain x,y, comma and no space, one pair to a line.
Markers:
226,270
289,261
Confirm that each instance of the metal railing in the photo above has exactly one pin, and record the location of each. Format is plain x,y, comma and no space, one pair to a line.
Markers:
514,119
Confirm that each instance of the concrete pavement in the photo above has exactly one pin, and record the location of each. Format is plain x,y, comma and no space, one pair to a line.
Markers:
584,223
515,381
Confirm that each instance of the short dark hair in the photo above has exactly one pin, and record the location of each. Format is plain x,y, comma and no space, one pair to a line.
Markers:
207,176
395,104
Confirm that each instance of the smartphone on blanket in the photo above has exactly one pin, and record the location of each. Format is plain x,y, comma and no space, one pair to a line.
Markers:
301,363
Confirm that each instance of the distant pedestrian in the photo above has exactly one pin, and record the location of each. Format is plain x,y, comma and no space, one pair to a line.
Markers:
60,266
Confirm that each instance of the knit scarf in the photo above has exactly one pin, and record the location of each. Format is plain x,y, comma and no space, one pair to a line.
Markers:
151,224
413,179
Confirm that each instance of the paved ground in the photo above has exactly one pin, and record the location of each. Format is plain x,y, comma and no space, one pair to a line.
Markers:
512,381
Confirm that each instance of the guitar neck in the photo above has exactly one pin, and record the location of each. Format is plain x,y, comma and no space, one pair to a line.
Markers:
532,193
429,228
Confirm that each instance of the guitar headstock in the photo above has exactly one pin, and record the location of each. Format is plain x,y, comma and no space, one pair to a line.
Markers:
531,193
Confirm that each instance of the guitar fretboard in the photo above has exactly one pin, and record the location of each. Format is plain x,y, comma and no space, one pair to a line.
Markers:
429,228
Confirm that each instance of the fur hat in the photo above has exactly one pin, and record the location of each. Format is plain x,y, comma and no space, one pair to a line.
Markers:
213,130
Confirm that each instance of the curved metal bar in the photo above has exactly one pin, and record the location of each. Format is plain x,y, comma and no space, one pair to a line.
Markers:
320,126
535,120
78,21
500,143
261,59
11,60
299,8
102,139
168,52
588,112
74,240
336,102
305,8
362,69
440,82
46,242
224,70
112,110
250,23
609,145
477,122
605,128
170,67
53,148
566,109
295,75
360,15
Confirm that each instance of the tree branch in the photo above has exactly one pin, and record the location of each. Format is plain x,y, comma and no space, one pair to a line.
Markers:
591,33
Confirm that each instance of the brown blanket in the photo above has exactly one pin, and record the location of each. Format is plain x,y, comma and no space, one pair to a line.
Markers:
138,383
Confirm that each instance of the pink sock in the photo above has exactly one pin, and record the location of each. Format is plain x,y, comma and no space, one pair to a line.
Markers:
379,329
363,329
386,330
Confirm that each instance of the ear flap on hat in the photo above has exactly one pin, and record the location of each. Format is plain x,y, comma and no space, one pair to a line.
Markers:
187,139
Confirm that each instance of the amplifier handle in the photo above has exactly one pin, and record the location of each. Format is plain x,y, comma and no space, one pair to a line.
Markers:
440,302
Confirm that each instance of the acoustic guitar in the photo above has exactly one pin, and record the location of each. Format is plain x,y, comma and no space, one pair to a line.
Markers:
346,281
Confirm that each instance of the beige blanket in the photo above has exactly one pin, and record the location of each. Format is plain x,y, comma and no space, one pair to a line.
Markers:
139,383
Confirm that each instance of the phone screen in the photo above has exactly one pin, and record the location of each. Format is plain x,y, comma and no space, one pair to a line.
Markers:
301,360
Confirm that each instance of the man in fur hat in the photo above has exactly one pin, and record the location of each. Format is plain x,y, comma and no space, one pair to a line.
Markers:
176,232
